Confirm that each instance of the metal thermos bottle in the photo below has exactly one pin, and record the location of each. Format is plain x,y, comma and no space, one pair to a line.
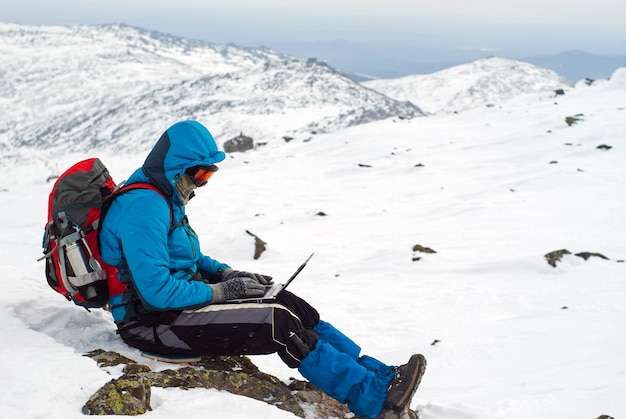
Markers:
77,259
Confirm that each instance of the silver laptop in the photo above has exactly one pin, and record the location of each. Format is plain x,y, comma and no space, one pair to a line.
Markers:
272,291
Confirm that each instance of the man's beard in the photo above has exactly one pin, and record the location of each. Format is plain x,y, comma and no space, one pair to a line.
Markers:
185,188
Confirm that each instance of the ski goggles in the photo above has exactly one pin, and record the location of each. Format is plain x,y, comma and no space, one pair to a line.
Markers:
201,174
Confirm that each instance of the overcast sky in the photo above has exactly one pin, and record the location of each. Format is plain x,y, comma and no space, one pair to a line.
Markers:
552,25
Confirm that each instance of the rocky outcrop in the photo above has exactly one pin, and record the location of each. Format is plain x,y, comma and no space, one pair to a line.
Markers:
419,249
130,393
259,245
239,144
571,120
556,256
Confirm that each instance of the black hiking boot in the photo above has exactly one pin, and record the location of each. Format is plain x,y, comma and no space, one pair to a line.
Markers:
403,386
397,414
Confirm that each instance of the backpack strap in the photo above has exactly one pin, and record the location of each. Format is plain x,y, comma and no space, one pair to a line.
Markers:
130,297
72,237
145,185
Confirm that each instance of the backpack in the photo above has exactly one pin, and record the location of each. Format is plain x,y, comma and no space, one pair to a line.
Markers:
76,206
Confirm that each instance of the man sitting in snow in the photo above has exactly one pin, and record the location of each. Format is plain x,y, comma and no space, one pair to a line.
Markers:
174,299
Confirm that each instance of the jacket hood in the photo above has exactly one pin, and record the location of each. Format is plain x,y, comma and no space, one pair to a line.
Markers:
183,145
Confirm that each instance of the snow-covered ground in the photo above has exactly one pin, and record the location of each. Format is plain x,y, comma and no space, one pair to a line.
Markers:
491,190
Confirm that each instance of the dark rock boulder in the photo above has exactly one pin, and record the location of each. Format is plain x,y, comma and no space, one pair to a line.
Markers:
556,256
421,249
587,255
259,245
571,120
239,144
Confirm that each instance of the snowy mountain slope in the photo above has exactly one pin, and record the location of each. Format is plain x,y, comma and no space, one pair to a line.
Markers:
491,190
113,86
488,81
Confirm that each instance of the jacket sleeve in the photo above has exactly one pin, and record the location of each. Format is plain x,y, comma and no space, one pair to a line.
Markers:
211,265
143,232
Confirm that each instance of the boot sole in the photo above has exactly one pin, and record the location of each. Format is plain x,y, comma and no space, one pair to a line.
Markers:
415,382
397,414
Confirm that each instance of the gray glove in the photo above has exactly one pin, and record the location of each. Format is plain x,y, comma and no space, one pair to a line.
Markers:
234,288
261,279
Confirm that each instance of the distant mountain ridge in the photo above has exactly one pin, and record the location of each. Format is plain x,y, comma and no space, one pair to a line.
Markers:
370,61
577,65
118,87
480,83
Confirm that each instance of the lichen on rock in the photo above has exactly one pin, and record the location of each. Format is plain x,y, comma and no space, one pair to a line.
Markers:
130,394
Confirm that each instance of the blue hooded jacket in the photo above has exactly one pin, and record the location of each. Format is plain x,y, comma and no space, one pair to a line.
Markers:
156,262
